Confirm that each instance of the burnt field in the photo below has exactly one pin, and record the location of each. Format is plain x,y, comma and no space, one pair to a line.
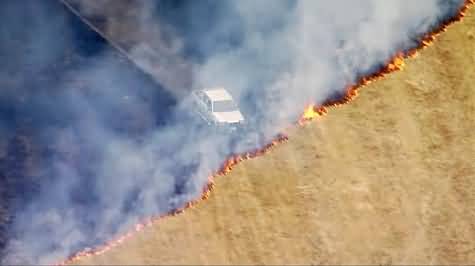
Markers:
386,179
92,141
54,96
39,84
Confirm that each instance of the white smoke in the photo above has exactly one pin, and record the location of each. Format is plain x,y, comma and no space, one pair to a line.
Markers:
323,46
295,52
134,28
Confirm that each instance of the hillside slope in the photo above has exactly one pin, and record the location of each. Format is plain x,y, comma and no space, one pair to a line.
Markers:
388,178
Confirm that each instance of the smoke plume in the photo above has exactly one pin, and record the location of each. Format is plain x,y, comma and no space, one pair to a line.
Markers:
90,144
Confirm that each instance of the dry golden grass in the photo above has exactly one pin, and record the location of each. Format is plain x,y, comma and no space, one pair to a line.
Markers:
388,178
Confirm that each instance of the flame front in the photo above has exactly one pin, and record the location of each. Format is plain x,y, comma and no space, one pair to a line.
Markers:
397,63
310,112
225,169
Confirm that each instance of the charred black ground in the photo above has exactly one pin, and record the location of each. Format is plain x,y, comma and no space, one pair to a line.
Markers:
39,88
29,113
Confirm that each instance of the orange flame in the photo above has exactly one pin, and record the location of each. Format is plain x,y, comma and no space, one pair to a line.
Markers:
234,160
225,169
395,64
311,112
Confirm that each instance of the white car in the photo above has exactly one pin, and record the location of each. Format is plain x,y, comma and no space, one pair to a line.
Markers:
216,106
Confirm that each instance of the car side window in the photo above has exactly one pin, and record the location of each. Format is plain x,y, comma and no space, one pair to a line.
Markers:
201,97
208,103
204,99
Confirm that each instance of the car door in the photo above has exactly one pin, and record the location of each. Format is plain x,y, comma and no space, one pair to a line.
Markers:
201,105
208,108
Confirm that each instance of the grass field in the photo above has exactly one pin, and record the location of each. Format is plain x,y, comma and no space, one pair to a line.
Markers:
388,178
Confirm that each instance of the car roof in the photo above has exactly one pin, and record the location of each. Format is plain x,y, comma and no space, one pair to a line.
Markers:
218,94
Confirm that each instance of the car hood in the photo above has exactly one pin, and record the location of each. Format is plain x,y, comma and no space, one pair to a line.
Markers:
228,117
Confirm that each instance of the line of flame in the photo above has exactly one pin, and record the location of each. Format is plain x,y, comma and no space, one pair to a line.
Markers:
310,112
208,188
396,63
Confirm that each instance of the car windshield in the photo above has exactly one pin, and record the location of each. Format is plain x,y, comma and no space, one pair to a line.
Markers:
224,106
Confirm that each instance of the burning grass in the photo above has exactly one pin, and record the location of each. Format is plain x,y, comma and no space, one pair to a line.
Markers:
310,113
225,169
395,64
